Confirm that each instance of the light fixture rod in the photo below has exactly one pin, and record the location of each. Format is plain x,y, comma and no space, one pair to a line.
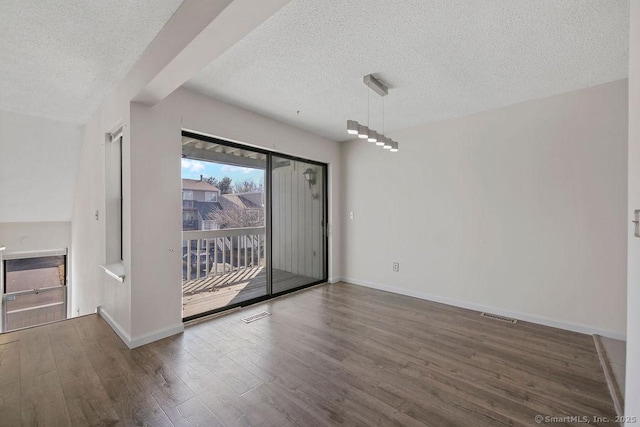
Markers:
376,85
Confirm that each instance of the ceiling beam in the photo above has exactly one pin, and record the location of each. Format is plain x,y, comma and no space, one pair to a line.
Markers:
199,32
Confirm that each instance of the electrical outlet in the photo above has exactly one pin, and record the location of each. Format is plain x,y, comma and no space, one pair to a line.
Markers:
396,266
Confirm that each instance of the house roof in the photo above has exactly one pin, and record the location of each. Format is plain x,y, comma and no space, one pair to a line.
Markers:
196,184
243,201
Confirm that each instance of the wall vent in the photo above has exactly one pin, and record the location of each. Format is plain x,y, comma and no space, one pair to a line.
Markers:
255,317
500,318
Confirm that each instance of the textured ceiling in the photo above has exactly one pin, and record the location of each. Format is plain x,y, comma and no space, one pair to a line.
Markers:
61,58
441,58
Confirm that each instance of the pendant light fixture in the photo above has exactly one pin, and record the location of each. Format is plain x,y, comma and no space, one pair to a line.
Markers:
352,127
363,132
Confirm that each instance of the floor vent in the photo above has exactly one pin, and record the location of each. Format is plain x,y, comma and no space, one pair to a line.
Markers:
500,318
255,317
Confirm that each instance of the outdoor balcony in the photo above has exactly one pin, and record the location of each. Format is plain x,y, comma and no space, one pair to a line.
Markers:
221,267
225,267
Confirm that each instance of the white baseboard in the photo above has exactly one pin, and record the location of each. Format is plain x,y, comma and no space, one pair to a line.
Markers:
158,335
335,279
583,329
145,339
124,336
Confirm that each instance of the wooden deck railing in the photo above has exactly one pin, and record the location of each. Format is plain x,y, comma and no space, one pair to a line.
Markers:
215,252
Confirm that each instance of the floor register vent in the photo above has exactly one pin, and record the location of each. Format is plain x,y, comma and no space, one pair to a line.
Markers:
500,318
255,317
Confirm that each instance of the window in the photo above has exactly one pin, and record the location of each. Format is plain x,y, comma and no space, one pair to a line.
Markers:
113,197
210,196
187,195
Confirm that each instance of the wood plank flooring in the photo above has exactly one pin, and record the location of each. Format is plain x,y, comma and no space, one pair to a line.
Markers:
329,355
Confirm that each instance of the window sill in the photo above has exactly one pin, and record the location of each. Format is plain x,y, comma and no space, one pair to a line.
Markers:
115,270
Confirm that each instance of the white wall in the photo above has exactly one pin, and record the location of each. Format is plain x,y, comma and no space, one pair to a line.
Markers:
520,210
93,287
149,303
35,236
632,394
38,163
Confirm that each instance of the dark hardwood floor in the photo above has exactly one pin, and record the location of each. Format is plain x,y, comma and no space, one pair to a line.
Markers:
329,355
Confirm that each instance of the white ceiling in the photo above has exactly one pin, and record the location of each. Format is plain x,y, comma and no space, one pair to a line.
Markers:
441,58
61,58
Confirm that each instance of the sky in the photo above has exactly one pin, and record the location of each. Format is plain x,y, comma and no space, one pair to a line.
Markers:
192,169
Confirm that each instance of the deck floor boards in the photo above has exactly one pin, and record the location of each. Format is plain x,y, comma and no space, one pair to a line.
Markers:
210,293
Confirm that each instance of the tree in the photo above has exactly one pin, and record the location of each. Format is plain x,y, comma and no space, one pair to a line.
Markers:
235,217
248,187
224,185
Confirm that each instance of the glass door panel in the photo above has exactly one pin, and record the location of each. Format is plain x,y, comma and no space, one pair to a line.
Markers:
298,223
223,226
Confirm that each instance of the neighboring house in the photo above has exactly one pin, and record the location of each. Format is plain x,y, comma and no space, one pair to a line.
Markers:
205,208
241,210
199,199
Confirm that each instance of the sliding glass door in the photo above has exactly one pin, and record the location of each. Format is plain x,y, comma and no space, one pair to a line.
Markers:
297,230
253,224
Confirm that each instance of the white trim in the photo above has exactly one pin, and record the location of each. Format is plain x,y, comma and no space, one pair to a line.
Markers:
155,336
333,280
34,254
115,270
145,339
20,310
124,336
115,137
583,329
116,131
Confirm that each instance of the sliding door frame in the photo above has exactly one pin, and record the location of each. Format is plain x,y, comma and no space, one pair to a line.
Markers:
269,221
